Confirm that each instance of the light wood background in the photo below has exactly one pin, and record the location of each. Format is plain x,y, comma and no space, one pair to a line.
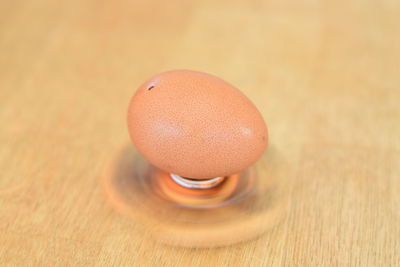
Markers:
325,74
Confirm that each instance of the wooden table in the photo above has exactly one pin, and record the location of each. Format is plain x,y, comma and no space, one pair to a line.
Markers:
325,75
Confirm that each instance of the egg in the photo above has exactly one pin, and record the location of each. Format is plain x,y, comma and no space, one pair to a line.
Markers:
195,125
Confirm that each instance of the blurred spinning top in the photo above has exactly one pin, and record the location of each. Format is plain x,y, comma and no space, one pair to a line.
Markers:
196,127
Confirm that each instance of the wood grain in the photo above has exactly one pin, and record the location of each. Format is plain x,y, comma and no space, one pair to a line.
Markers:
325,74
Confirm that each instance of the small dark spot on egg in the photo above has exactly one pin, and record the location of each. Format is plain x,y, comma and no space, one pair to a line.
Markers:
150,87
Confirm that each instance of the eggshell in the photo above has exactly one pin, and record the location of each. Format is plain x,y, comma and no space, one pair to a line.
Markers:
195,125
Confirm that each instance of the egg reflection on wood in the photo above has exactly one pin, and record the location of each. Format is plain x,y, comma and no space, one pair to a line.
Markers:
195,125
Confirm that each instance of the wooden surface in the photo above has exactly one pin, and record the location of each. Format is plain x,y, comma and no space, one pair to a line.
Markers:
325,75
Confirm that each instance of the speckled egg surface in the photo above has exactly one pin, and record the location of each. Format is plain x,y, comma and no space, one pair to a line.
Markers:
195,125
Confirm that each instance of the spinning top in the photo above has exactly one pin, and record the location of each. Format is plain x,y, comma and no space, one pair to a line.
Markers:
197,176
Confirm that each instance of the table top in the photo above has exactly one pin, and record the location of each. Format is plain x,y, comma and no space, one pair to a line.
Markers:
324,74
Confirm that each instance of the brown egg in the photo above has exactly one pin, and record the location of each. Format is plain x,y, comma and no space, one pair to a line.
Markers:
195,125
